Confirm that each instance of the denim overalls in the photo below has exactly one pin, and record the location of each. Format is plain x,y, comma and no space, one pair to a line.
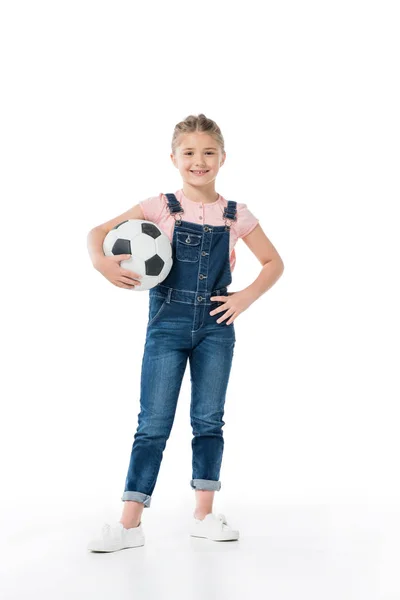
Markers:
180,327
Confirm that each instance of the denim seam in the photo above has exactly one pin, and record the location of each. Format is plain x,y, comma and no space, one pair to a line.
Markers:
183,290
209,241
158,312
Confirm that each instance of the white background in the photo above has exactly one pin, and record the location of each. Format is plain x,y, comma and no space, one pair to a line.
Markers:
307,98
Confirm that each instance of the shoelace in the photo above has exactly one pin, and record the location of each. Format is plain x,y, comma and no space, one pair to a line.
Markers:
107,529
222,520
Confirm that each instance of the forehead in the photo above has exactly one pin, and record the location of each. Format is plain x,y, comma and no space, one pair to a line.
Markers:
197,140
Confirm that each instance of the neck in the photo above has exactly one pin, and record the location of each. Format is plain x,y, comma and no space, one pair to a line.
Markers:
203,194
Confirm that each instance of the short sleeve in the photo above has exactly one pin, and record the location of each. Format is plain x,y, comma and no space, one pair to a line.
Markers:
246,221
152,208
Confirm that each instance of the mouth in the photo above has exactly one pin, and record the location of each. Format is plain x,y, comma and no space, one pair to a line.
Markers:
199,172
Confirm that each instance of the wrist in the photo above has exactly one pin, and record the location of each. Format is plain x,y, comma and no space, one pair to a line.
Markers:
250,295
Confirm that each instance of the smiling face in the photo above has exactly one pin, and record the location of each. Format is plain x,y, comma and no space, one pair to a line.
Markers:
198,151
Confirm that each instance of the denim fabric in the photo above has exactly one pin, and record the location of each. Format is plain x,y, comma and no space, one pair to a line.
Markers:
180,328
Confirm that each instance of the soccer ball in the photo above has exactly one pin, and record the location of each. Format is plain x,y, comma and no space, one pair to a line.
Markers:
150,248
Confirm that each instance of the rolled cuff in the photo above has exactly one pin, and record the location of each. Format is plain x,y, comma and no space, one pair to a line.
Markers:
205,484
138,496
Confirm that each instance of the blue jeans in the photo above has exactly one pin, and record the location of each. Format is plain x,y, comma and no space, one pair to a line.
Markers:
179,330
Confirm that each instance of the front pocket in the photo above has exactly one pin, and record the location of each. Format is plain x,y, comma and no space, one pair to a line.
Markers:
188,246
157,305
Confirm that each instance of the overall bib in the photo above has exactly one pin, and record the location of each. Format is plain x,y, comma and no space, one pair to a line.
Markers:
180,328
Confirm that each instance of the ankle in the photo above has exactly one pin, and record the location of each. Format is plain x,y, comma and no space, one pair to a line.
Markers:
130,524
198,514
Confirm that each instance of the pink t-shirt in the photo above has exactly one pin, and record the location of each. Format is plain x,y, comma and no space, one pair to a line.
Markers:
155,209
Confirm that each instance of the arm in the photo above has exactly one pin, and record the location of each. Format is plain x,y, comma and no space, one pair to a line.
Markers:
271,261
272,269
96,235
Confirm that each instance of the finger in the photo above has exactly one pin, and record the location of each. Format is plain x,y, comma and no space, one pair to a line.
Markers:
226,315
222,297
233,317
218,310
119,257
122,285
130,274
128,281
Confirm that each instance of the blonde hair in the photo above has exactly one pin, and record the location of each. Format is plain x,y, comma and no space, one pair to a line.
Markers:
194,123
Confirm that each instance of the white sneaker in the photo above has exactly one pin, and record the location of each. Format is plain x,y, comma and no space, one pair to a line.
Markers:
116,537
214,527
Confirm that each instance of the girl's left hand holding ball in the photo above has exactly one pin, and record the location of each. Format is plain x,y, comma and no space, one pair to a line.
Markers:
234,304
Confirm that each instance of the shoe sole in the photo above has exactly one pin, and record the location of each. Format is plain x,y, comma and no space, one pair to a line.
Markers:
229,538
101,545
98,548
113,549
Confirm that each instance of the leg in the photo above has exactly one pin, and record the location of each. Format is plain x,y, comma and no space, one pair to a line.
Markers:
204,503
210,366
131,514
163,368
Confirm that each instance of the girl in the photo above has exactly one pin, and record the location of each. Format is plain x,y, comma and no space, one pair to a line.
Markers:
191,316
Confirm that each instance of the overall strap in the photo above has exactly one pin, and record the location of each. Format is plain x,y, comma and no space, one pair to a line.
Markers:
174,207
230,213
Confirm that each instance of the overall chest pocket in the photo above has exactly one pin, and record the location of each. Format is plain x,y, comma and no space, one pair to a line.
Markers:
188,246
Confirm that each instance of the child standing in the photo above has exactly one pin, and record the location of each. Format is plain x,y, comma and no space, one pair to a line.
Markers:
191,317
